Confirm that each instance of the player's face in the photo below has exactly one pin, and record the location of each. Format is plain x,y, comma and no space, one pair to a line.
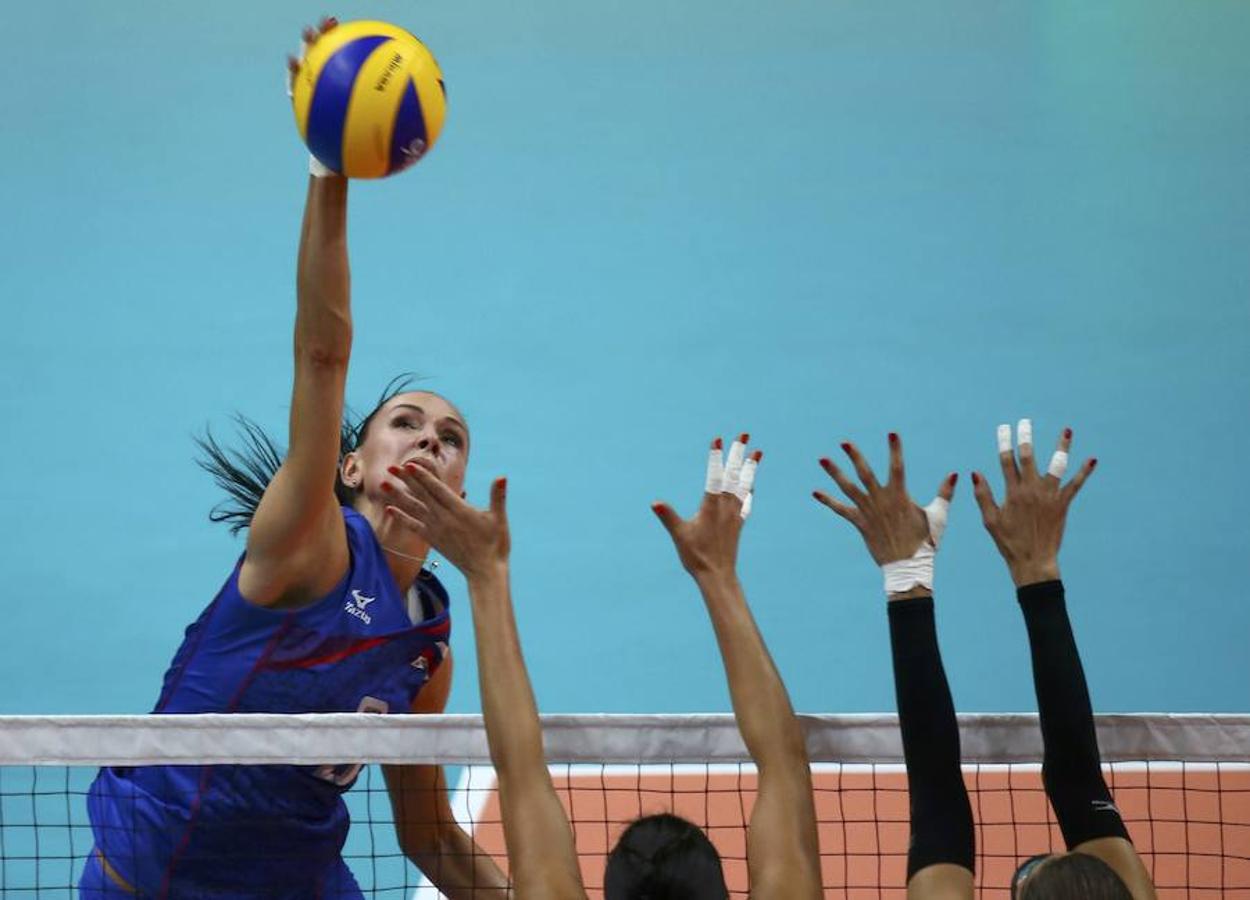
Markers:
416,427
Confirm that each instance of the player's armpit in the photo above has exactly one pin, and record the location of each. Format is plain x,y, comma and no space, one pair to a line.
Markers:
1122,857
942,881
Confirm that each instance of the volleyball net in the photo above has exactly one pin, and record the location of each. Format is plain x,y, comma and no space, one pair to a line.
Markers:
1181,782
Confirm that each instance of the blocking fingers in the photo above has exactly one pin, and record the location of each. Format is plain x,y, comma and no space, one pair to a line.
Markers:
1074,486
946,490
1024,445
862,469
849,488
984,496
412,523
847,512
667,516
896,462
1059,459
1006,458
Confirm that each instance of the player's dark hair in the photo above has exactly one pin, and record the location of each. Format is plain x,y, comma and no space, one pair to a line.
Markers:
664,857
1076,875
244,472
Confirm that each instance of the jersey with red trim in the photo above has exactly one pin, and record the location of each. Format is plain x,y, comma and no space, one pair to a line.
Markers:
270,831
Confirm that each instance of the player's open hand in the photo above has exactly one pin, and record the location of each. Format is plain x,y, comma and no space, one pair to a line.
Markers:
893,525
473,540
708,543
1028,527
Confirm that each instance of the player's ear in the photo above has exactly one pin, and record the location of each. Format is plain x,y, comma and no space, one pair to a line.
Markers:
351,471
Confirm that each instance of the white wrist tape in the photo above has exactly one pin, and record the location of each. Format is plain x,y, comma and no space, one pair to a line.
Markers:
1004,438
905,574
1058,464
317,170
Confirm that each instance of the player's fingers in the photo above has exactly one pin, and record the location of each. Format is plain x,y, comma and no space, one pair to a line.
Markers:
734,461
407,499
412,523
326,23
428,486
668,518
849,488
1059,459
862,469
946,490
1006,458
896,462
715,479
1024,446
984,496
1074,486
499,498
746,480
847,512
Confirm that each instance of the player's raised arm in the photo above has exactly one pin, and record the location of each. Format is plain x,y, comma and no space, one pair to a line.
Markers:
902,538
541,853
1028,530
782,850
296,546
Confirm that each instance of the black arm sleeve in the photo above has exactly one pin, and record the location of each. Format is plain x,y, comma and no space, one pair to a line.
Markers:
1071,766
941,817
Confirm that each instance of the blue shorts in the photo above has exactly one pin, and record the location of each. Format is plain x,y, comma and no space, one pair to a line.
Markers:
96,884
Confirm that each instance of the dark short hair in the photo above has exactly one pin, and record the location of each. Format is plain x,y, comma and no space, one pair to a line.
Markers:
1075,876
664,857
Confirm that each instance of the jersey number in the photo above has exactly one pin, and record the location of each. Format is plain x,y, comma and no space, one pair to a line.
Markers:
343,774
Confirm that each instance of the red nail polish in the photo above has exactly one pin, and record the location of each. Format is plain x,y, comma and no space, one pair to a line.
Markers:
1092,463
816,494
1067,434
954,478
718,444
846,445
386,486
893,438
976,479
744,438
757,455
825,462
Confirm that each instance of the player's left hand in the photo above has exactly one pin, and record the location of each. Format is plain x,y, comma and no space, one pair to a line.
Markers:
708,543
473,540
892,524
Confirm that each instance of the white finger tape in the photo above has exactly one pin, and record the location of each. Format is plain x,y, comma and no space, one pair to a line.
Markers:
1058,464
746,480
1004,438
1024,432
733,467
937,513
715,471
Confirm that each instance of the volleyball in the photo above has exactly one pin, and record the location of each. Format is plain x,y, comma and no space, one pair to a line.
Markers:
369,99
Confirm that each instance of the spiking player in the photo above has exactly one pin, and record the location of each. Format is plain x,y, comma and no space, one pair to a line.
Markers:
329,610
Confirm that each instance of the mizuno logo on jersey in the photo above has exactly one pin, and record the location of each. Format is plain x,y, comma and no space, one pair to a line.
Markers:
356,606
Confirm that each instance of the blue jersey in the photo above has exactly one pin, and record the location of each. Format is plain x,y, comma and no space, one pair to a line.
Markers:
270,831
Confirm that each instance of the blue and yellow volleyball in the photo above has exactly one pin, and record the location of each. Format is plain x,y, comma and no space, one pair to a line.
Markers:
369,99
